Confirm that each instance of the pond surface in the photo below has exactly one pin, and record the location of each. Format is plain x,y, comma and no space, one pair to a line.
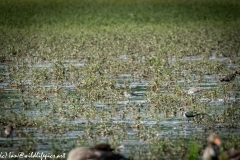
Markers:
74,111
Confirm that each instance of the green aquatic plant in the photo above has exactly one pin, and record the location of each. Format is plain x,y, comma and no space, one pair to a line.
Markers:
65,64
193,150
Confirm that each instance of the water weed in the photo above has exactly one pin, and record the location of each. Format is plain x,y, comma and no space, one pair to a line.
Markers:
65,65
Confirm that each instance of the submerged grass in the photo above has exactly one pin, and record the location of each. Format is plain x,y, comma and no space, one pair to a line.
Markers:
64,58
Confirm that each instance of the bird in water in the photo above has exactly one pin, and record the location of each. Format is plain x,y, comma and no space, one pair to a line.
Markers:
194,90
192,114
9,131
129,95
212,151
98,152
229,77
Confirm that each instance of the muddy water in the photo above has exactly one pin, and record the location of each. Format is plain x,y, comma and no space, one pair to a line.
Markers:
158,124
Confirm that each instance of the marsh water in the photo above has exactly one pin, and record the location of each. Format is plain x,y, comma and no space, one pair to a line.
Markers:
75,112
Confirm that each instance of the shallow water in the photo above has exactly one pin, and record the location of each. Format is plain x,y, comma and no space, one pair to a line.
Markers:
135,115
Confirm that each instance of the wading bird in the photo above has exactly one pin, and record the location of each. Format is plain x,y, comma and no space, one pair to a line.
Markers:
98,152
129,95
9,131
194,90
229,77
212,152
192,114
